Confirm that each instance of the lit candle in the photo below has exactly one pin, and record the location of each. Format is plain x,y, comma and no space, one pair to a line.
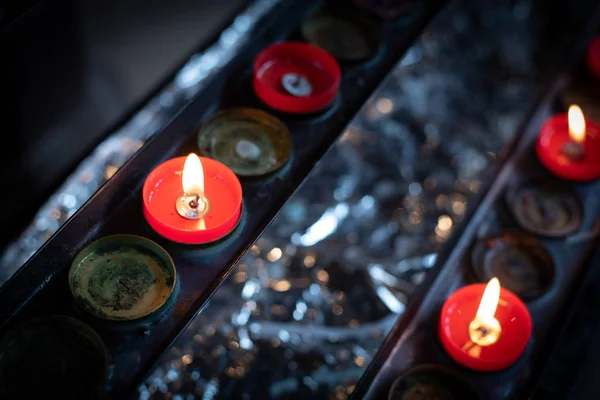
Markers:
192,200
569,146
296,77
485,327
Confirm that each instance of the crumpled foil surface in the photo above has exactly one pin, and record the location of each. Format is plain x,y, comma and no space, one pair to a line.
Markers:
304,312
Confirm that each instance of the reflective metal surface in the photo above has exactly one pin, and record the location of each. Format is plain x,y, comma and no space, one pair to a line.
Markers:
306,309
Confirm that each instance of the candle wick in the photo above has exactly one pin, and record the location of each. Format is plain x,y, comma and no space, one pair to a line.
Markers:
483,331
573,150
194,203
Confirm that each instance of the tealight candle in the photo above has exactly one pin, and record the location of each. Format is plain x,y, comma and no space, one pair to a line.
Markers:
296,77
192,200
485,327
569,146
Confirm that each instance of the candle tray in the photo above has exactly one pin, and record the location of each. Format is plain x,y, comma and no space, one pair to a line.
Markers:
572,366
413,346
41,287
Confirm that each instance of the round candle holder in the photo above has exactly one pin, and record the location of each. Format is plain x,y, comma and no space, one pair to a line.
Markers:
593,57
223,191
123,278
554,139
459,311
519,261
249,141
431,382
296,77
545,209
54,357
346,36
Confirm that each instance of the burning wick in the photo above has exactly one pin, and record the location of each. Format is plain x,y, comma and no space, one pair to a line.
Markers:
192,204
574,148
485,329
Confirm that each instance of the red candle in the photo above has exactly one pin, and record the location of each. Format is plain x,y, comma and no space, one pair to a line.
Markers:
593,57
485,328
192,200
569,146
296,77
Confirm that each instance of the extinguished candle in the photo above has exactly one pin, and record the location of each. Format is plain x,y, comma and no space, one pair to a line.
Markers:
192,200
485,327
296,77
569,146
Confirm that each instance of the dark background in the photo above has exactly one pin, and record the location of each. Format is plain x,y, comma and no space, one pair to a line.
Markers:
71,71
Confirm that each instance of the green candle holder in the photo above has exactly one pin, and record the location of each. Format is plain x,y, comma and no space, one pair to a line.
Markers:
123,278
249,141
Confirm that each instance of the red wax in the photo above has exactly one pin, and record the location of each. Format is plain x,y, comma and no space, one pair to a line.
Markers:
221,187
549,148
458,312
311,62
593,57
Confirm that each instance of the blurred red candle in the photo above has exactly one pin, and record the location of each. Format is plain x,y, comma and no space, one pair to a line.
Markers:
296,77
192,200
593,57
485,327
569,146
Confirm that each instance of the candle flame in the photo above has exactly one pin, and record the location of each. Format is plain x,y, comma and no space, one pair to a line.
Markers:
192,178
485,328
489,301
576,124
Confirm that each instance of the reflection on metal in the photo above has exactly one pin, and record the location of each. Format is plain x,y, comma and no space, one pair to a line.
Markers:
323,227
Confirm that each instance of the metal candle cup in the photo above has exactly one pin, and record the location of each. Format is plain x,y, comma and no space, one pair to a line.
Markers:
520,261
545,208
249,141
123,278
429,381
